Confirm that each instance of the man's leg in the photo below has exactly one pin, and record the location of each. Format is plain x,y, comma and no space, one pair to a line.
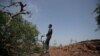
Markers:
45,46
47,43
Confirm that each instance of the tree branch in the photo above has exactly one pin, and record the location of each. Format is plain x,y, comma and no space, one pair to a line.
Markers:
12,15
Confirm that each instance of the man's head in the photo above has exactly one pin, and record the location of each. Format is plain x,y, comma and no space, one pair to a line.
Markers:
50,25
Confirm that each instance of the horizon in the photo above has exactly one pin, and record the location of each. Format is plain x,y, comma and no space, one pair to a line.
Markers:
72,20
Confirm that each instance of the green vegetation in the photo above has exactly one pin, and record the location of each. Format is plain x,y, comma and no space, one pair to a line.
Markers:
20,37
97,11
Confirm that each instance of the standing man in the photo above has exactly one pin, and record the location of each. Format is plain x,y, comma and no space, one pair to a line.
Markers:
48,35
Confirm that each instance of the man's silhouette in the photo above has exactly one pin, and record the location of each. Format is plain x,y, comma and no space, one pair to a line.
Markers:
48,35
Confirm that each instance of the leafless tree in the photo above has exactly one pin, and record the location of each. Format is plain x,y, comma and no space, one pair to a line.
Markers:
12,15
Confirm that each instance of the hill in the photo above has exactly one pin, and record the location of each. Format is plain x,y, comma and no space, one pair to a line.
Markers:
83,48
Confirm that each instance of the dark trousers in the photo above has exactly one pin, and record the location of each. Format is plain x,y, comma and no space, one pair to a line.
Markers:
47,42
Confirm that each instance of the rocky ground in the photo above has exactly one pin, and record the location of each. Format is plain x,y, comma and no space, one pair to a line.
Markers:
83,48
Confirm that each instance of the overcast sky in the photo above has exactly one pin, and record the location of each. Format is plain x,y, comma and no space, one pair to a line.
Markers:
71,19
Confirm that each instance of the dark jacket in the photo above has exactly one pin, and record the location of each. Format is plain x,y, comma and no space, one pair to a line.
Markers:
49,32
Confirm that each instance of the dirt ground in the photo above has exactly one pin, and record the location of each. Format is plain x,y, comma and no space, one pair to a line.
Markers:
84,48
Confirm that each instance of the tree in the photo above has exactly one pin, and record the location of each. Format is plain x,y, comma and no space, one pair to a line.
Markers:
17,35
97,11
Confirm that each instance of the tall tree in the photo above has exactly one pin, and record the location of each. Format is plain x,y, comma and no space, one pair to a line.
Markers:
97,11
17,35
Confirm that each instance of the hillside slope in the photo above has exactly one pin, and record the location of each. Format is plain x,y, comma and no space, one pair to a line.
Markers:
84,48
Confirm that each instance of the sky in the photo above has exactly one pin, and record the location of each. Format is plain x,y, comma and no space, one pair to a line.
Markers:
71,19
